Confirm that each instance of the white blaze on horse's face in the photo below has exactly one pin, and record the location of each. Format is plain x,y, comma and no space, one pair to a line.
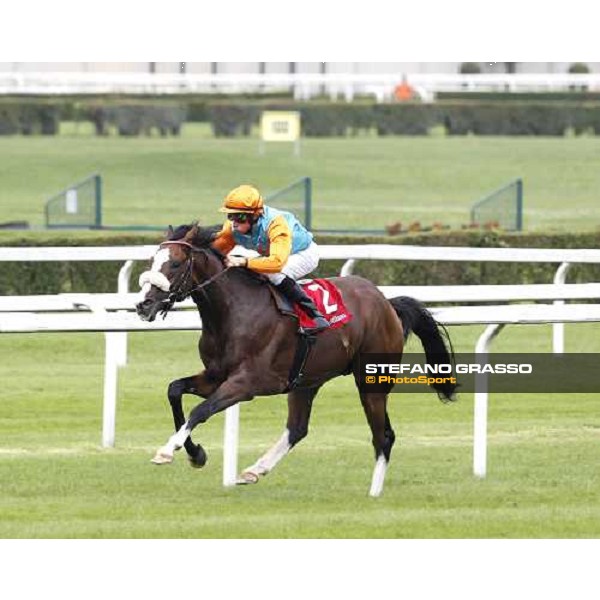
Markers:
160,258
155,276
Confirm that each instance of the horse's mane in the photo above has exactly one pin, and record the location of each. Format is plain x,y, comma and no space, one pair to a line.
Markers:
203,238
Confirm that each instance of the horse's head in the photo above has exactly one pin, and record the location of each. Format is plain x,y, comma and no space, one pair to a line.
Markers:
177,269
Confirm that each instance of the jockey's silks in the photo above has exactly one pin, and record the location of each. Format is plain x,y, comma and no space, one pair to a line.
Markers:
275,235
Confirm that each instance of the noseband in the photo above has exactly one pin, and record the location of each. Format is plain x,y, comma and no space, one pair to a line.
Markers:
183,287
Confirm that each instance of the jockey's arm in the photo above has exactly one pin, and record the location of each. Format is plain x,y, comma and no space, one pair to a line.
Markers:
224,241
280,248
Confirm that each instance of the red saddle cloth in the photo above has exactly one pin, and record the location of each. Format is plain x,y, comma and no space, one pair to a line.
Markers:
328,300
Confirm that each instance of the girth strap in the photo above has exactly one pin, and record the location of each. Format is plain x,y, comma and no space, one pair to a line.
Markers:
303,348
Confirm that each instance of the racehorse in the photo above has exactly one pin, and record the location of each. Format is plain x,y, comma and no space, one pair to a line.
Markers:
248,346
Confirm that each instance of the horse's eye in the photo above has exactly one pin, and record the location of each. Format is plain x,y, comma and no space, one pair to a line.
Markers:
175,264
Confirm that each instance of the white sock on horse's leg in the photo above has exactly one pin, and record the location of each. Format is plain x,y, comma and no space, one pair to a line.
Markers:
268,461
177,440
378,476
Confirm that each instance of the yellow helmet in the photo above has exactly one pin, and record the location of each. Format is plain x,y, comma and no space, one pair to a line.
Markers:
243,199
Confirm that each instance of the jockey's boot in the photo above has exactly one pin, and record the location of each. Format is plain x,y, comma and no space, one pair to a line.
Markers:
291,289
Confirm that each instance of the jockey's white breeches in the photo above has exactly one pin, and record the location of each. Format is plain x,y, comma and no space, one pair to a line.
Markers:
298,265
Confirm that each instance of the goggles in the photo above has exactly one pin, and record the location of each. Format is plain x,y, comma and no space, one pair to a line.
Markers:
239,217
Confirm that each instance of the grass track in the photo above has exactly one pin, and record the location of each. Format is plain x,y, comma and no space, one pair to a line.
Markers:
57,482
362,181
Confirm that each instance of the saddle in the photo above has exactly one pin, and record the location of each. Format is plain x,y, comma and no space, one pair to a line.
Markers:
284,306
327,298
329,301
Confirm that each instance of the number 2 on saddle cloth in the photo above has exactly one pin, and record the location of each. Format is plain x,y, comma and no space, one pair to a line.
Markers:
328,300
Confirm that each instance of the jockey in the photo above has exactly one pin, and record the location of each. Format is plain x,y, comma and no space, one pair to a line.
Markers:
287,251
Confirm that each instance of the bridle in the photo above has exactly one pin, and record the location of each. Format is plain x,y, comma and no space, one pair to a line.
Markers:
183,287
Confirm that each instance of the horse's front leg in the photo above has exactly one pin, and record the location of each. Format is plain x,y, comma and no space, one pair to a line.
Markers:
233,390
199,385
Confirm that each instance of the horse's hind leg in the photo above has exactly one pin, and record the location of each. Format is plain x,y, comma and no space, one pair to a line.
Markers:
374,405
299,407
199,385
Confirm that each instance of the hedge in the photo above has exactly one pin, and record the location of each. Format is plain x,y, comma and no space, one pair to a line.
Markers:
535,97
320,119
29,117
487,115
51,278
509,118
412,119
135,118
127,117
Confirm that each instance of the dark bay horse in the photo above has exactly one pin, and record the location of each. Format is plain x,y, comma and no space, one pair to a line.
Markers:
247,346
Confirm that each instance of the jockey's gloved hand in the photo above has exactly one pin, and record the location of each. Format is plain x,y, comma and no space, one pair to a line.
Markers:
236,261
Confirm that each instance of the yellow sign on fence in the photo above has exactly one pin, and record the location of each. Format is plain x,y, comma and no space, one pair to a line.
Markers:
277,126
280,126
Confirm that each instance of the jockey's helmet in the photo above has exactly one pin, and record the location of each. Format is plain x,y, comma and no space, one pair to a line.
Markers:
243,199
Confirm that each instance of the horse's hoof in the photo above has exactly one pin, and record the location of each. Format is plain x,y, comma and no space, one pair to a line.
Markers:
247,478
199,459
162,457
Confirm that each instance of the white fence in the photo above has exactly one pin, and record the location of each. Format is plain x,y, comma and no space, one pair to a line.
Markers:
98,312
349,253
304,85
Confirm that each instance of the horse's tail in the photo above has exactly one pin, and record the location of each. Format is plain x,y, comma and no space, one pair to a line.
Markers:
434,337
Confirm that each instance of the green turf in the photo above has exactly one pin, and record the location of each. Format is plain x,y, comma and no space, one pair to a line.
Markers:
362,181
56,481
